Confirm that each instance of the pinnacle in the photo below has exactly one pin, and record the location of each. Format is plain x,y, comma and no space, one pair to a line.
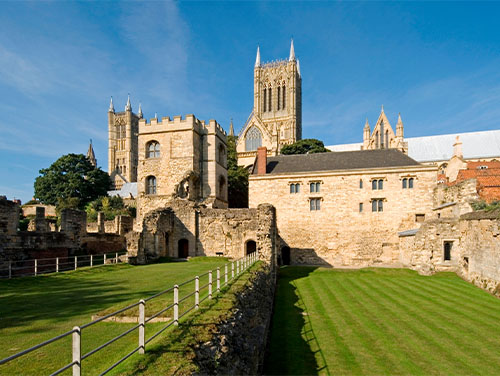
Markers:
231,128
128,107
257,59
292,52
111,107
140,110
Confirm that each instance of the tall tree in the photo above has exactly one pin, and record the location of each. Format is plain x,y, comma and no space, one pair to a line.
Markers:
237,177
306,146
71,176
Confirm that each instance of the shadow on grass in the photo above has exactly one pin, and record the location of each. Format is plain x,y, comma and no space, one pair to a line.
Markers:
292,347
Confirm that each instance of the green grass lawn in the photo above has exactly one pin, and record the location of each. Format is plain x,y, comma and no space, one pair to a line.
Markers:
34,309
382,321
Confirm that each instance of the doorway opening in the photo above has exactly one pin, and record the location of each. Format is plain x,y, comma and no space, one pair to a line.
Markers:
183,248
251,247
285,255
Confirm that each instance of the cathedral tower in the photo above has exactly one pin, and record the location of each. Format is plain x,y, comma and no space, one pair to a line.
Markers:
276,119
122,144
383,136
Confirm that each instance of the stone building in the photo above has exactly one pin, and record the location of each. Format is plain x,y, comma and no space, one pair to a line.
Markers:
383,136
276,118
122,144
345,208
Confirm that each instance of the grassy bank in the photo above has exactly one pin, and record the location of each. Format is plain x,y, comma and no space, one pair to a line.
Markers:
35,309
382,321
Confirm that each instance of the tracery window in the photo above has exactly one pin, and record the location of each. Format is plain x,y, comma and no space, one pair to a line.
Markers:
153,149
253,139
284,97
151,185
265,100
270,99
279,98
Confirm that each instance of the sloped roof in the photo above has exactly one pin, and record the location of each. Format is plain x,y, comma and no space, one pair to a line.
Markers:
485,144
126,190
362,159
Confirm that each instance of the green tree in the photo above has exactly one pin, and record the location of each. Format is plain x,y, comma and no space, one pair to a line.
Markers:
71,177
306,146
237,177
110,206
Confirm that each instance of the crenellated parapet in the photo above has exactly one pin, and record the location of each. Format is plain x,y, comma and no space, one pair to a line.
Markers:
178,123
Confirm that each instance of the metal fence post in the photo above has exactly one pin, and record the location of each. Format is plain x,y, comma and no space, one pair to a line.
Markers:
57,264
77,356
197,292
176,305
116,258
218,279
210,284
225,274
91,260
36,267
232,270
10,269
104,263
142,328
76,262
237,267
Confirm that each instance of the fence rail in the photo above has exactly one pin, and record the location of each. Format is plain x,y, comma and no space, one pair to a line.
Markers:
178,310
35,267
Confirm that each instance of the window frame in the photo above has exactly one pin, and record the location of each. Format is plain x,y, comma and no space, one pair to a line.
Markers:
151,189
155,152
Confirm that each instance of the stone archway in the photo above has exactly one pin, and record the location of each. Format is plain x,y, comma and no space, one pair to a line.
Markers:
250,247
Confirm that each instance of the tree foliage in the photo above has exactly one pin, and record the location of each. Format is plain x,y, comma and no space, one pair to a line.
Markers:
72,177
237,177
110,206
306,146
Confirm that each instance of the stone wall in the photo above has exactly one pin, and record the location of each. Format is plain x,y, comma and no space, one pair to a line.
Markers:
462,193
239,342
208,232
339,234
120,225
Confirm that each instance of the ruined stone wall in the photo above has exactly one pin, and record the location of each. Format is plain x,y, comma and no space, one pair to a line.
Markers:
339,234
9,217
463,194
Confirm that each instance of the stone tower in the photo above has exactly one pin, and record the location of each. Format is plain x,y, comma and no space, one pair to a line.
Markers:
383,136
123,130
276,119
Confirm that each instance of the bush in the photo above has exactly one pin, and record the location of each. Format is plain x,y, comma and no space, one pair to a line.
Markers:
110,206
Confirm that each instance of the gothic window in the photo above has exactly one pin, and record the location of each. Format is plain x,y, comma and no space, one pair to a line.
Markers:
380,184
405,183
380,205
270,99
279,97
381,134
386,139
151,185
253,139
447,250
284,97
410,183
377,205
314,204
265,100
377,140
295,188
377,184
374,184
152,149
314,187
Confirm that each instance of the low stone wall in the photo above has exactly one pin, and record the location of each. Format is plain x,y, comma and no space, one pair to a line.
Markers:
238,344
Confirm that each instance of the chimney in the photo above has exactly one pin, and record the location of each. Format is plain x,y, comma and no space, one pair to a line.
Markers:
457,148
261,160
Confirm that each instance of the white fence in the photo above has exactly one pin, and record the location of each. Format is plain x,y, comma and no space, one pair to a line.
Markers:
177,310
34,267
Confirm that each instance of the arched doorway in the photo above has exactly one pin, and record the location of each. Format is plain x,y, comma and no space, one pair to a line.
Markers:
251,247
183,248
285,255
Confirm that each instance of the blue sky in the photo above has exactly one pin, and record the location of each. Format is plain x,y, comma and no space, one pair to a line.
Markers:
436,63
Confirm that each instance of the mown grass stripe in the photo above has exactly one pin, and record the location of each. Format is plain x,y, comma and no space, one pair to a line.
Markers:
439,328
334,345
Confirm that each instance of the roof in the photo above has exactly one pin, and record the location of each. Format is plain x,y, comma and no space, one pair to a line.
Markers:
126,191
338,161
412,232
484,144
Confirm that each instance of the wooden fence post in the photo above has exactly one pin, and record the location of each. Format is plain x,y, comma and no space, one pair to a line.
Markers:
36,267
91,260
232,270
218,279
116,258
225,274
77,355
176,305
210,284
57,264
142,328
76,262
197,292
104,263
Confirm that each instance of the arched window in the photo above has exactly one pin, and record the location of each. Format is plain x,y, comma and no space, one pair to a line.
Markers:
253,139
377,140
374,184
284,97
265,100
270,99
410,183
279,97
222,151
380,184
153,149
386,139
381,134
151,185
380,205
374,205
405,183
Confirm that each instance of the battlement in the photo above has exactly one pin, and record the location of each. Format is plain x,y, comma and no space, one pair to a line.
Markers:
178,123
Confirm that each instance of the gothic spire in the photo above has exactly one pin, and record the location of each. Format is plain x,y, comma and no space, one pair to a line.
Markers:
399,127
128,107
91,155
231,128
111,107
292,52
400,122
140,111
367,125
382,110
257,59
